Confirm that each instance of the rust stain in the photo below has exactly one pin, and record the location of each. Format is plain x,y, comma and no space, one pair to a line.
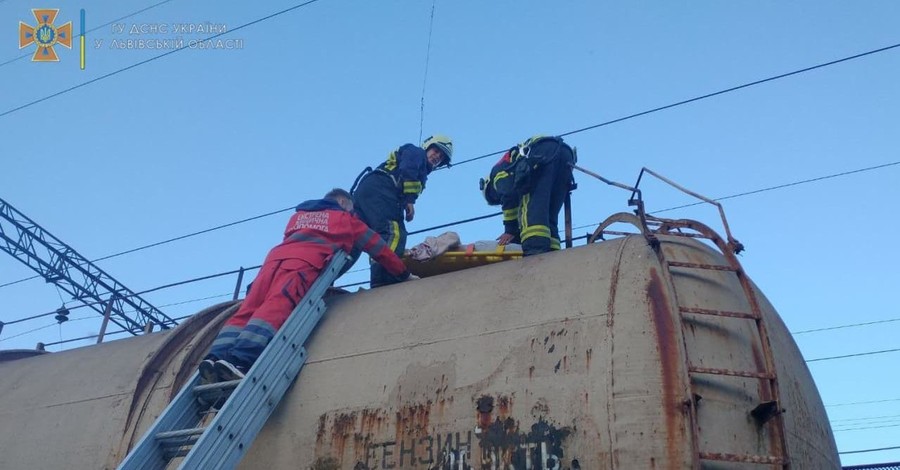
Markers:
565,360
371,421
504,404
530,372
669,360
760,364
765,395
343,427
321,432
587,357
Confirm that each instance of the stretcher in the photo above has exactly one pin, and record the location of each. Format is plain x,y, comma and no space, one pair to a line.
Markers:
463,257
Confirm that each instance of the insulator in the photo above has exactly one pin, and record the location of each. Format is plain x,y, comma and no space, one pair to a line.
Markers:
62,314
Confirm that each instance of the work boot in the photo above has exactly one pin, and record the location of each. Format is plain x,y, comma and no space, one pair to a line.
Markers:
228,371
208,374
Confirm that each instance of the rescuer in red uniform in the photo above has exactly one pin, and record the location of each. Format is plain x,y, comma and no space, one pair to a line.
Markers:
313,234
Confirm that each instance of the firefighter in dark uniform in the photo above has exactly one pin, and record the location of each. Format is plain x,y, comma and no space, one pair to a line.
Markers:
386,196
530,183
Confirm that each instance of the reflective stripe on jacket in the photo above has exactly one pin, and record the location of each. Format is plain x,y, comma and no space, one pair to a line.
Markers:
408,167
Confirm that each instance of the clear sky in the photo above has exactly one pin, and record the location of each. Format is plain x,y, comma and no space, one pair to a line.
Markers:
201,138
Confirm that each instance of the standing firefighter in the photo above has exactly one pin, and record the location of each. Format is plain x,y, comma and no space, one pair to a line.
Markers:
313,234
388,193
530,183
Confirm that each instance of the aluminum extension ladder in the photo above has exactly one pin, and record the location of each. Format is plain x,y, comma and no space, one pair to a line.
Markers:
769,411
222,444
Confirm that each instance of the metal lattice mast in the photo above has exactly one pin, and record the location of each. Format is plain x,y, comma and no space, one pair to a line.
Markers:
60,264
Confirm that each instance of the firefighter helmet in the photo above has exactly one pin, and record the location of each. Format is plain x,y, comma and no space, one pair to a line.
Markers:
444,144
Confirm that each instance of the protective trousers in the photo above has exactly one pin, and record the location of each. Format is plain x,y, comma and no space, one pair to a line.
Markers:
279,287
377,202
539,209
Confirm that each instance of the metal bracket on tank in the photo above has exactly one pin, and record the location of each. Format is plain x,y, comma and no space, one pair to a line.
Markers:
766,411
638,219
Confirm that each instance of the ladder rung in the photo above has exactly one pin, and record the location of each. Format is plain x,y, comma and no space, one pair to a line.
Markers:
215,387
733,373
748,458
715,267
172,453
179,434
719,313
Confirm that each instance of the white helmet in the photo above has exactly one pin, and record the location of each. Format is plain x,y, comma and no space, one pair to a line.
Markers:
444,144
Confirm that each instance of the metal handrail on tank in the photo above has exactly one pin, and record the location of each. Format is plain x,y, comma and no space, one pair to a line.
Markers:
736,246
639,219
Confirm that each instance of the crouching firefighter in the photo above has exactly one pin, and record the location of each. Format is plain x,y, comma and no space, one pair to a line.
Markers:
386,196
530,183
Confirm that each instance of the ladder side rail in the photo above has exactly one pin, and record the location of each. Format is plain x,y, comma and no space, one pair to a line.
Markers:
254,416
266,381
249,405
770,388
693,414
147,454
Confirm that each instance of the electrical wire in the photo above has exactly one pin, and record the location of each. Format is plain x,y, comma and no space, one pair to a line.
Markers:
863,402
27,332
703,97
852,325
868,450
182,237
868,418
160,56
867,427
166,286
870,353
425,75
70,340
92,29
772,188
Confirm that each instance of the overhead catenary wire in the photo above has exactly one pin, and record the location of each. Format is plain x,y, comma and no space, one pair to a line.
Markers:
868,450
501,151
425,75
117,332
486,216
154,289
867,418
151,59
838,327
170,240
771,188
864,428
870,402
703,97
869,353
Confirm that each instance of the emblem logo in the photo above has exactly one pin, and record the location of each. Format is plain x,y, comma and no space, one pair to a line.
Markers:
45,35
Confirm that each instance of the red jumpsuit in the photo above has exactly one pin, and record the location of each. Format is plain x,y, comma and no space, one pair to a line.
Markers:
313,234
